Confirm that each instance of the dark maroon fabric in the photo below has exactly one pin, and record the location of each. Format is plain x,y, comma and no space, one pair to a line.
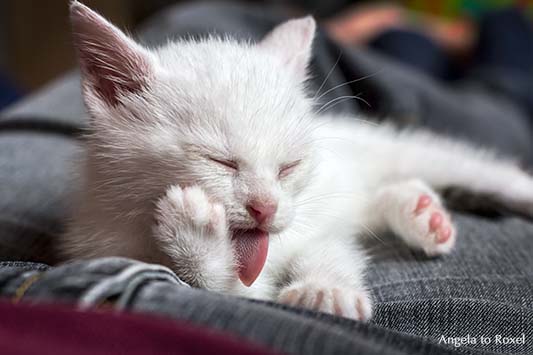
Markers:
26,329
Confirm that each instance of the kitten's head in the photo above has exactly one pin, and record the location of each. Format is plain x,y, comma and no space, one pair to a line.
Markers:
231,117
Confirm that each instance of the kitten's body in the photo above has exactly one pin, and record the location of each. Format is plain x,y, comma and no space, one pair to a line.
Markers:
186,138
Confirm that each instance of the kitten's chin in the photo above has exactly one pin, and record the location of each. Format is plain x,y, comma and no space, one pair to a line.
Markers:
273,229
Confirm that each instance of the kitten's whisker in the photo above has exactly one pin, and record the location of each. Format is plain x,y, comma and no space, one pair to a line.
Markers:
333,102
348,83
327,76
311,203
344,220
327,103
359,98
316,140
300,224
347,195
372,233
338,218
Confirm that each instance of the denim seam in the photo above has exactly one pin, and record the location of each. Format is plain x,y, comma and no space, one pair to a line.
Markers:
25,286
100,291
137,282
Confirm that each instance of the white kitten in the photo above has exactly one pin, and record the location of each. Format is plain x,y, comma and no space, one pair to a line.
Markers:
207,157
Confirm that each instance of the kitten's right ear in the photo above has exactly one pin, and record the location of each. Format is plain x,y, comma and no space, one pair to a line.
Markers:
111,63
292,41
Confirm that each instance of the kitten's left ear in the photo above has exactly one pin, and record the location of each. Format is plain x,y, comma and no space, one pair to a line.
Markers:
112,64
292,41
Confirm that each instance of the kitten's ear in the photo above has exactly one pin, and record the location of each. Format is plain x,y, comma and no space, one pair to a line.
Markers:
111,63
292,41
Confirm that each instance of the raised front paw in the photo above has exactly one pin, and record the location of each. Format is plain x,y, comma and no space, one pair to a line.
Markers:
189,211
340,301
192,232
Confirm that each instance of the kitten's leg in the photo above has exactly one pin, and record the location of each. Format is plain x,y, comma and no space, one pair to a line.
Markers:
414,212
388,155
327,276
446,164
192,231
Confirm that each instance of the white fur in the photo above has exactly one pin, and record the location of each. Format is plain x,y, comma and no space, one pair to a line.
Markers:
150,191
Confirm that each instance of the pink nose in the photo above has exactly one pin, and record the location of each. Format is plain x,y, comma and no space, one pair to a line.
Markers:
261,211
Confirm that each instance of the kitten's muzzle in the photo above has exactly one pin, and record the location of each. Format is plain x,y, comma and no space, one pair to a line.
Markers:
262,212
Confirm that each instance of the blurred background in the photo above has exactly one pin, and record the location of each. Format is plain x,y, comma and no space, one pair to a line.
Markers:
35,44
460,68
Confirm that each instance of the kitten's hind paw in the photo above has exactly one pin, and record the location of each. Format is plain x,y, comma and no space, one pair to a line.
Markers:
432,228
415,213
340,301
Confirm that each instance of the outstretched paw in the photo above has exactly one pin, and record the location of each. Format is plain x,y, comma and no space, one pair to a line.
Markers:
340,301
414,212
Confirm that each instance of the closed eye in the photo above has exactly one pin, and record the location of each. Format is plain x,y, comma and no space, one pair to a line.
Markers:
288,168
230,164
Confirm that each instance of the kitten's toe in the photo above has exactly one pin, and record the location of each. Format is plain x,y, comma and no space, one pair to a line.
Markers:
435,221
197,206
433,229
417,215
169,207
203,212
218,220
190,210
424,201
344,302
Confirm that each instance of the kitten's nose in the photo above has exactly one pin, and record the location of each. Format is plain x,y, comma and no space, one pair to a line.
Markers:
261,211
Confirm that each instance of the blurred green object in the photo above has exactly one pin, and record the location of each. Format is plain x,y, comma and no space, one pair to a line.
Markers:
458,8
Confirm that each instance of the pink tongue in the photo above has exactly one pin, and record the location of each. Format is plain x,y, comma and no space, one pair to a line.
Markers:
251,247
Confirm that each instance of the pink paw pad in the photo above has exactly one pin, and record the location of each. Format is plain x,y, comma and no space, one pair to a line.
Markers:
424,201
444,234
438,224
435,221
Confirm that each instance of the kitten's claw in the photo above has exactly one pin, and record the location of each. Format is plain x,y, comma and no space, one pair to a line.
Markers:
344,302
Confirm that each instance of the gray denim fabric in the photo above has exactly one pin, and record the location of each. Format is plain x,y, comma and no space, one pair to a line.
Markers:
128,285
483,288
